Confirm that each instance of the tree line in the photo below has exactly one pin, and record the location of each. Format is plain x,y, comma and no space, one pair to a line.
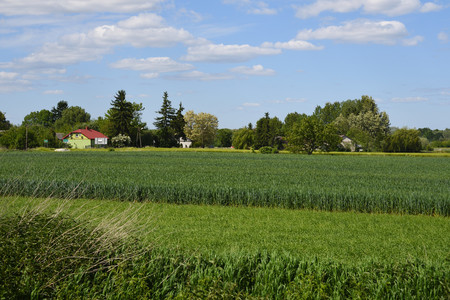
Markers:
358,121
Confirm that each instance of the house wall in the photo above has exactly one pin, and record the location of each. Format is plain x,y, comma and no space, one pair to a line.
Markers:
78,141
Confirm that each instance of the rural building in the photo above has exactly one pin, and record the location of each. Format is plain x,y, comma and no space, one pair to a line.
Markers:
348,144
86,138
185,143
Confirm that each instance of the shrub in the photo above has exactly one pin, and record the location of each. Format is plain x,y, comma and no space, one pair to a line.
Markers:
267,150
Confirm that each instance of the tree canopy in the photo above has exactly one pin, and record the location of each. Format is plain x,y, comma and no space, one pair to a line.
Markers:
201,127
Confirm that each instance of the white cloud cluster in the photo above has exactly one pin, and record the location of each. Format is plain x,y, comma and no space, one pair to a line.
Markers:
253,7
256,70
362,31
12,81
198,75
53,92
144,30
226,53
44,7
292,45
385,7
152,64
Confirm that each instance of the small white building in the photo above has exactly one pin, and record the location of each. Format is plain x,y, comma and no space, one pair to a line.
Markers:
349,144
185,143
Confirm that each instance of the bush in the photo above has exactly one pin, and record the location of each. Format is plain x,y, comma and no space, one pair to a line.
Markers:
268,150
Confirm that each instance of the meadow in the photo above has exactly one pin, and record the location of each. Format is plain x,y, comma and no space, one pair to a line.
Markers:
190,225
391,184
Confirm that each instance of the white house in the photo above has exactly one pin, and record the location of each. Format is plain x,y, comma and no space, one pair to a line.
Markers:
185,143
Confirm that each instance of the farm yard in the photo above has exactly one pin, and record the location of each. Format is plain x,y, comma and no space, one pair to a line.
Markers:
227,225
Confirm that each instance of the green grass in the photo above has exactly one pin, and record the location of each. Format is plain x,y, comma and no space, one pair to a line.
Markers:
384,184
341,237
218,252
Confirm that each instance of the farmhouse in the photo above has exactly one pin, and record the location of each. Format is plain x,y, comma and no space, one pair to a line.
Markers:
86,138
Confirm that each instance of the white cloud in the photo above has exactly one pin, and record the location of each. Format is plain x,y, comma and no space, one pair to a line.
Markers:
12,82
429,7
54,92
201,76
359,31
150,75
443,37
409,99
292,45
385,7
144,30
413,41
251,104
226,53
152,64
43,7
8,75
256,70
253,7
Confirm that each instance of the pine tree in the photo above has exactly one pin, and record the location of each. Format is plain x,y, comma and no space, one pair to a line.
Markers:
121,114
164,123
178,124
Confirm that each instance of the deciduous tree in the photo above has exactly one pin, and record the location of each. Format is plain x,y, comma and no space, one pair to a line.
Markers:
201,127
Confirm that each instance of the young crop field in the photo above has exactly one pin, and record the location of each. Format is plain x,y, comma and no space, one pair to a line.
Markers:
196,251
249,226
381,184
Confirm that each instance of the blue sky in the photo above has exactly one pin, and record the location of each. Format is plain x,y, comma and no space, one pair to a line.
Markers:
236,59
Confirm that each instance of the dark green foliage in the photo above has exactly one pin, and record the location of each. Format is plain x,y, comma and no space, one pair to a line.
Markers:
166,134
311,134
178,124
4,124
267,129
58,110
403,140
243,138
29,137
72,118
42,117
268,150
224,138
121,114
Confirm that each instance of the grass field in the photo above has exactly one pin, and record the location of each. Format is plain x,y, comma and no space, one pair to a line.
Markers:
223,226
391,184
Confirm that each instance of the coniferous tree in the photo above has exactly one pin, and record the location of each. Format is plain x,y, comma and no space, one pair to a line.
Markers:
164,122
121,114
178,123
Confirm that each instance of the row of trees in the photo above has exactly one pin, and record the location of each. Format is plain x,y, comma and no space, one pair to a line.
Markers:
359,119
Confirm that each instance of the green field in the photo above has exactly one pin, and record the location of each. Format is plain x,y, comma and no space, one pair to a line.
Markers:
391,184
223,226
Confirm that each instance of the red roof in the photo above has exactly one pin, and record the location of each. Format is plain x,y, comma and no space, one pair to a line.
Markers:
89,133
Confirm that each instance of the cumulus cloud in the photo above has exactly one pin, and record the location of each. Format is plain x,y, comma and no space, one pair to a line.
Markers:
256,70
144,30
409,99
413,41
201,76
359,31
43,7
292,45
53,92
385,7
226,53
253,7
152,64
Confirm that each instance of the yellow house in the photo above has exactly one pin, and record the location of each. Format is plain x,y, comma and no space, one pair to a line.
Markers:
86,138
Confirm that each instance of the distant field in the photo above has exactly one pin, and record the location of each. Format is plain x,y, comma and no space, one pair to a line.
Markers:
384,184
